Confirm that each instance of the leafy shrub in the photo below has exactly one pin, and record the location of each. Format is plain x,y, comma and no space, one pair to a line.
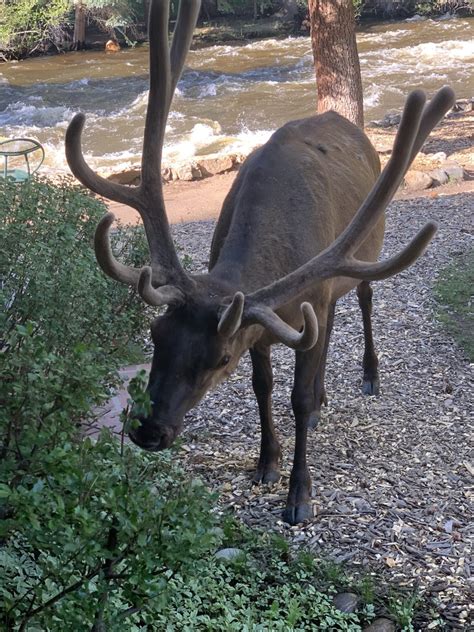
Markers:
97,533
30,25
90,530
65,326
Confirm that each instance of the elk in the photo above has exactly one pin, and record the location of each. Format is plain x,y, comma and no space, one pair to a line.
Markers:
302,225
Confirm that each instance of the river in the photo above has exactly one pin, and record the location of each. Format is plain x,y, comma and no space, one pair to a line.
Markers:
230,98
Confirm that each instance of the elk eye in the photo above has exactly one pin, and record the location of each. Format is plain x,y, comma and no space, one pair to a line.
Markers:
225,360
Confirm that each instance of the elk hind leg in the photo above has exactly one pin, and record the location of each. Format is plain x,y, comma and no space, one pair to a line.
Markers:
370,361
320,397
268,468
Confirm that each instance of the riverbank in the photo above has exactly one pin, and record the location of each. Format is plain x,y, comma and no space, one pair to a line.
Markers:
223,29
449,144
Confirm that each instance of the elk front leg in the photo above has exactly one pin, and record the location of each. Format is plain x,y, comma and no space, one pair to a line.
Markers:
298,506
270,450
319,388
370,361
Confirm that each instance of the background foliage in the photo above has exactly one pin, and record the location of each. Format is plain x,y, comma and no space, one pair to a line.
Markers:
35,26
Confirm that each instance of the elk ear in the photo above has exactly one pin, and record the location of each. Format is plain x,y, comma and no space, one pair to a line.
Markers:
231,317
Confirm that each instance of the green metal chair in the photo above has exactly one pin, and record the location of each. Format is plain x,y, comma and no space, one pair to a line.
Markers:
31,150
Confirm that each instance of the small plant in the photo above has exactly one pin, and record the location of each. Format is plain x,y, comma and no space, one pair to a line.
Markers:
403,610
138,405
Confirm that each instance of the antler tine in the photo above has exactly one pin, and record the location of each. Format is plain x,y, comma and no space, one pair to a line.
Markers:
164,295
105,258
383,269
300,341
159,96
165,69
388,181
182,38
434,111
416,124
88,177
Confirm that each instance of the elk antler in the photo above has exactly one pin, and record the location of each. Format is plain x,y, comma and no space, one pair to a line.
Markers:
166,65
337,260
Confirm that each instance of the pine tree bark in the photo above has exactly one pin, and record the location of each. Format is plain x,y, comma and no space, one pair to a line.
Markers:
336,60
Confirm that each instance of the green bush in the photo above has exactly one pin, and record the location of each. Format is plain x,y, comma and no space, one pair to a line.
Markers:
65,327
91,530
30,25
95,533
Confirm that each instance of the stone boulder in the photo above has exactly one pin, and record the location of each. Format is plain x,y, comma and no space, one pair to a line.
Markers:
230,554
417,180
454,171
381,625
346,602
187,171
212,165
130,177
439,177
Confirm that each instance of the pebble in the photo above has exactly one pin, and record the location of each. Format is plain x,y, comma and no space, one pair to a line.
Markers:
346,602
381,625
229,555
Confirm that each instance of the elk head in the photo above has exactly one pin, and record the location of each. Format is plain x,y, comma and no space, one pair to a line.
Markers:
209,323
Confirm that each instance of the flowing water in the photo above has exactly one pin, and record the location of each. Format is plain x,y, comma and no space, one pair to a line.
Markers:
230,98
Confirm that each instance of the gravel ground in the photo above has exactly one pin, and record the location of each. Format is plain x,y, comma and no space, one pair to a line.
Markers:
392,474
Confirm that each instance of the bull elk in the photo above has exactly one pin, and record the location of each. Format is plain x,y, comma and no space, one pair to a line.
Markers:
302,225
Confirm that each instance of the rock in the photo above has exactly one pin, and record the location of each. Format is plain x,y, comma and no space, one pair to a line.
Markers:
229,555
184,172
464,105
417,180
167,174
453,171
439,177
346,602
439,156
130,176
381,625
211,166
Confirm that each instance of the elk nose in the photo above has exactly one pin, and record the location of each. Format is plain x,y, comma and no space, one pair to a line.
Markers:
153,436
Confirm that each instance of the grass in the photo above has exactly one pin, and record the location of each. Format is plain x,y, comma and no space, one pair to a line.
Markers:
454,294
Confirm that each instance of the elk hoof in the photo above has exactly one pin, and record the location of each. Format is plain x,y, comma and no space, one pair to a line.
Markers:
371,386
298,504
297,513
314,419
267,475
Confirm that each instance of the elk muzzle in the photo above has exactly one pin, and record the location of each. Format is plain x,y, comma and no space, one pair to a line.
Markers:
153,435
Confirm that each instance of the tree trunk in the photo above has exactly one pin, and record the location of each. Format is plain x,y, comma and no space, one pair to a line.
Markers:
336,60
79,38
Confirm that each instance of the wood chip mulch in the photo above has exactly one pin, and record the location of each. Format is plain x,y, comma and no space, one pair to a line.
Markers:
392,474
